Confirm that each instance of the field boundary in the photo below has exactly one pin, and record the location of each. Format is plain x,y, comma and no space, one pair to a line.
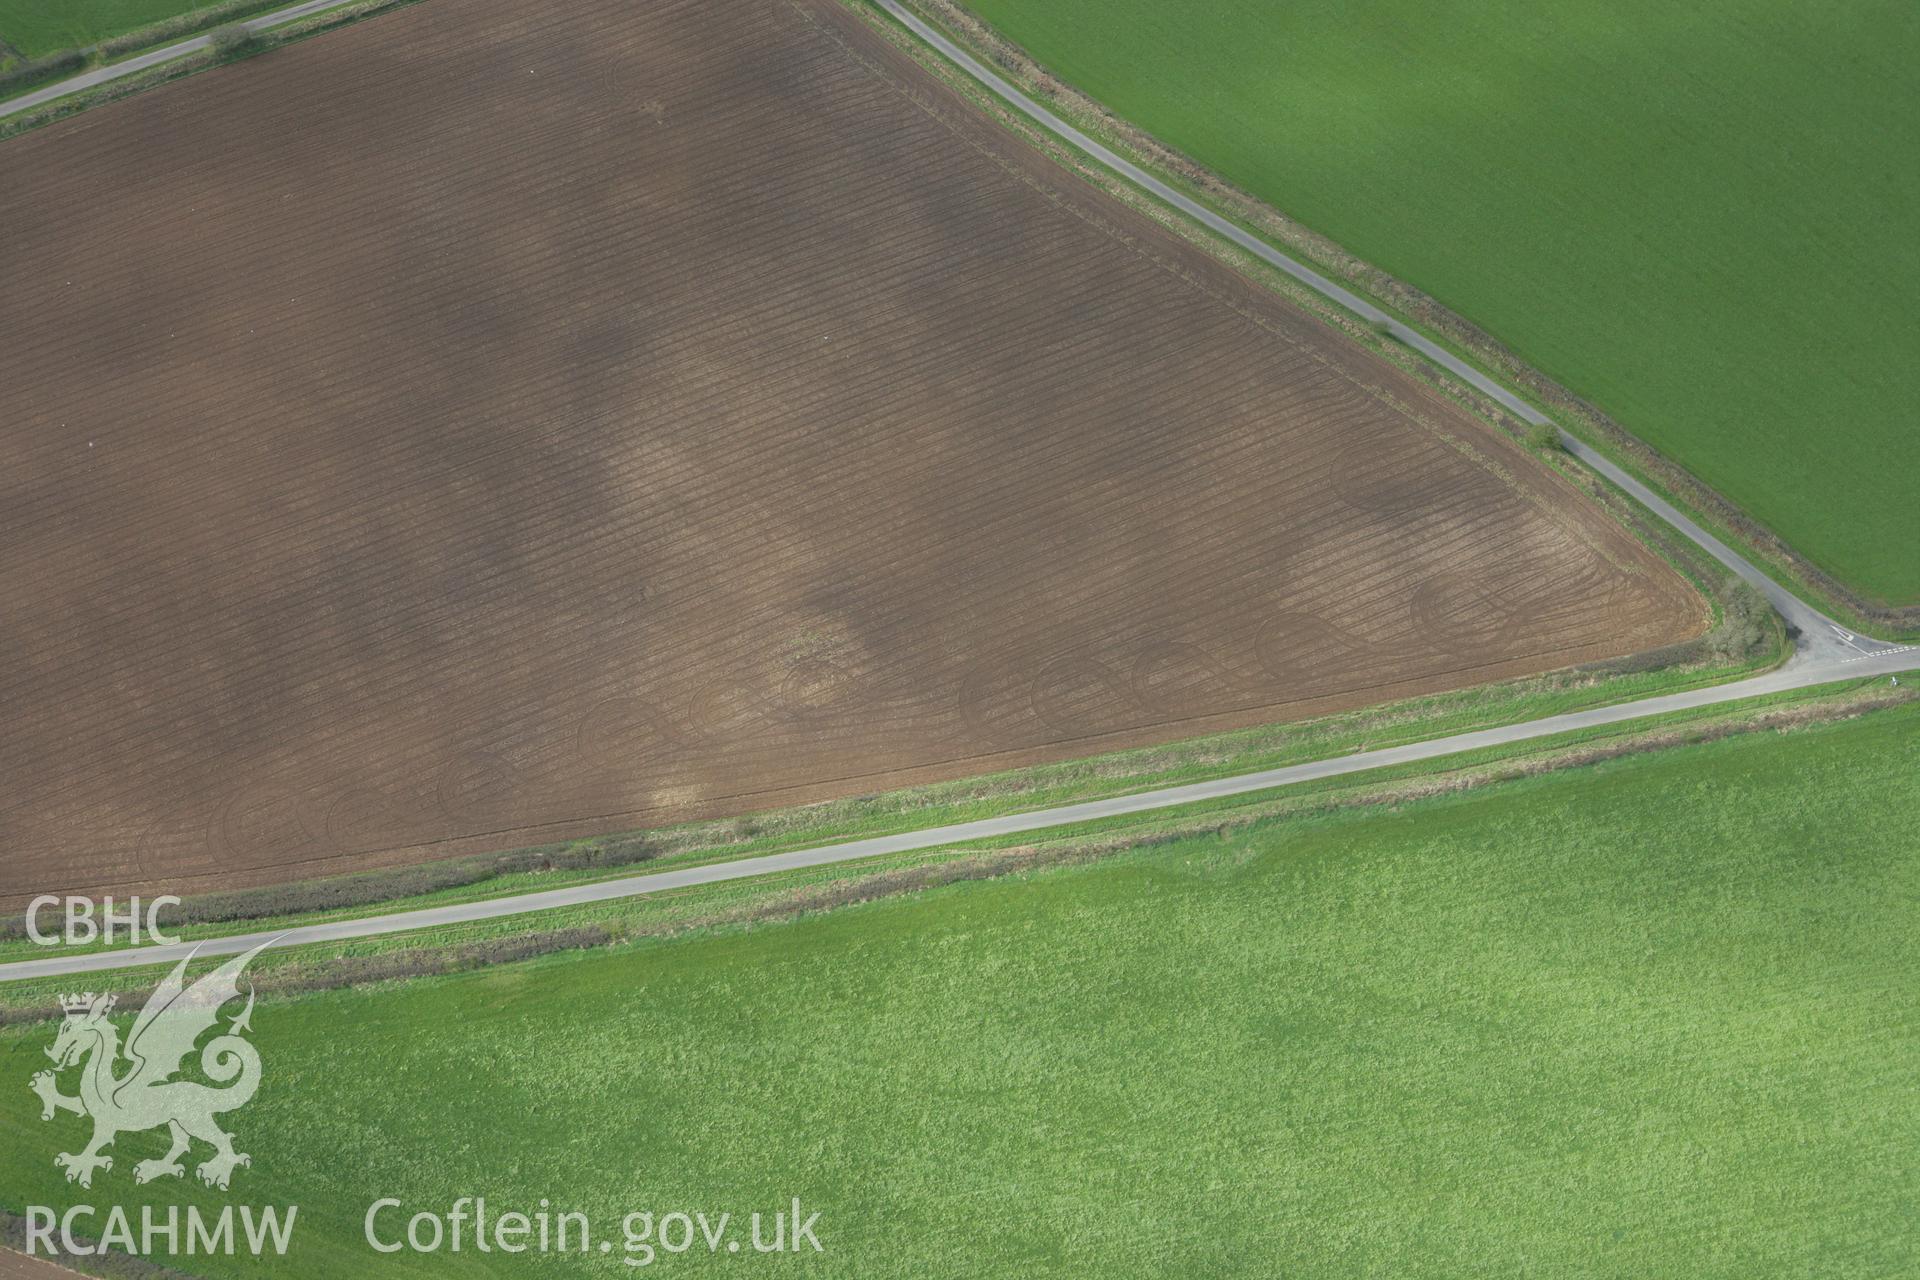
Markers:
1799,675
777,899
1665,476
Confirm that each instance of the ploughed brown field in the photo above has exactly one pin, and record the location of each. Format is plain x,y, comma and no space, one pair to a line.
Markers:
494,423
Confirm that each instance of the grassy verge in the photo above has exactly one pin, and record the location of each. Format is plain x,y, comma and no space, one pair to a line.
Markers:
193,23
483,943
1465,338
1637,1019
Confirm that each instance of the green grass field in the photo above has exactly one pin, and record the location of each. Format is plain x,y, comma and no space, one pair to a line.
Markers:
1655,1017
1697,216
37,27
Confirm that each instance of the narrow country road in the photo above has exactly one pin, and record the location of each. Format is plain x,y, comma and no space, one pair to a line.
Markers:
152,58
1798,674
1825,652
1819,635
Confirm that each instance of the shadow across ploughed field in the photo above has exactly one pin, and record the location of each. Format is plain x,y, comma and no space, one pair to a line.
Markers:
478,427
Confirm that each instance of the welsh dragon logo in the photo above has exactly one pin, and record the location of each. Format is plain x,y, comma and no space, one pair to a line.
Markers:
146,1095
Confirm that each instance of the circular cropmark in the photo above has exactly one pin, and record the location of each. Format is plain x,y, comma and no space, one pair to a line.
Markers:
621,734
362,820
260,827
1175,677
1301,650
177,847
818,684
629,92
1459,615
1081,696
729,709
478,788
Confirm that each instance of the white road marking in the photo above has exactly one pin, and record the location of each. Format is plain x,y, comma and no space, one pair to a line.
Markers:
1881,653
